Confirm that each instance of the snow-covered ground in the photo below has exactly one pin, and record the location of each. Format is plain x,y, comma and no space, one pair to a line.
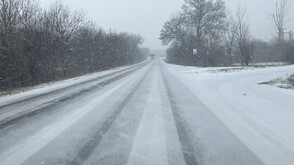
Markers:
25,137
286,81
53,86
262,116
156,114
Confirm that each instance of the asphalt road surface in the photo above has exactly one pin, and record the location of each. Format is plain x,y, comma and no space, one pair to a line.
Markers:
139,116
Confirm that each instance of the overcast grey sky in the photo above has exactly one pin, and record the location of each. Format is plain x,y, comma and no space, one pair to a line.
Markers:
146,17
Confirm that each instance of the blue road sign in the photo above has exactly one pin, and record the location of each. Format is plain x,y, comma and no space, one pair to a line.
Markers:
195,51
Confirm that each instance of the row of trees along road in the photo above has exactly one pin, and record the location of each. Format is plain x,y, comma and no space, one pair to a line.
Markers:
223,39
38,45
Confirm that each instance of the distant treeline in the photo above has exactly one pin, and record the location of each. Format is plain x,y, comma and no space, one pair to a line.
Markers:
38,45
223,39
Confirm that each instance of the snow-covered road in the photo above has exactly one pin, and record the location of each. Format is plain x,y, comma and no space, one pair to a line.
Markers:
154,113
261,116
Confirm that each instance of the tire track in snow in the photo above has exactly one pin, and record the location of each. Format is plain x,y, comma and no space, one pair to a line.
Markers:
87,150
54,103
12,117
21,151
187,148
24,149
149,146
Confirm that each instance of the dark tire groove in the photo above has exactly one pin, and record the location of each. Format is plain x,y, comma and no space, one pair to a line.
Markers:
86,150
188,150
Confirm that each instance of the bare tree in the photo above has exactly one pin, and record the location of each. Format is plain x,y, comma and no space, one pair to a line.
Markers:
243,38
205,16
229,40
38,45
290,52
207,20
279,17
177,32
62,22
200,26
175,29
9,49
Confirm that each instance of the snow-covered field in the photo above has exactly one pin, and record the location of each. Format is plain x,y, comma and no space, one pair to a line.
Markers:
262,116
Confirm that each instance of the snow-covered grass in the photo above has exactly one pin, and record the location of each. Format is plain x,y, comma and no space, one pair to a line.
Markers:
291,80
259,115
286,82
227,69
265,64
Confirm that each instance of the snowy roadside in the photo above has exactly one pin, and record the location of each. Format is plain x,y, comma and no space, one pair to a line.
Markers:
259,115
286,82
53,86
